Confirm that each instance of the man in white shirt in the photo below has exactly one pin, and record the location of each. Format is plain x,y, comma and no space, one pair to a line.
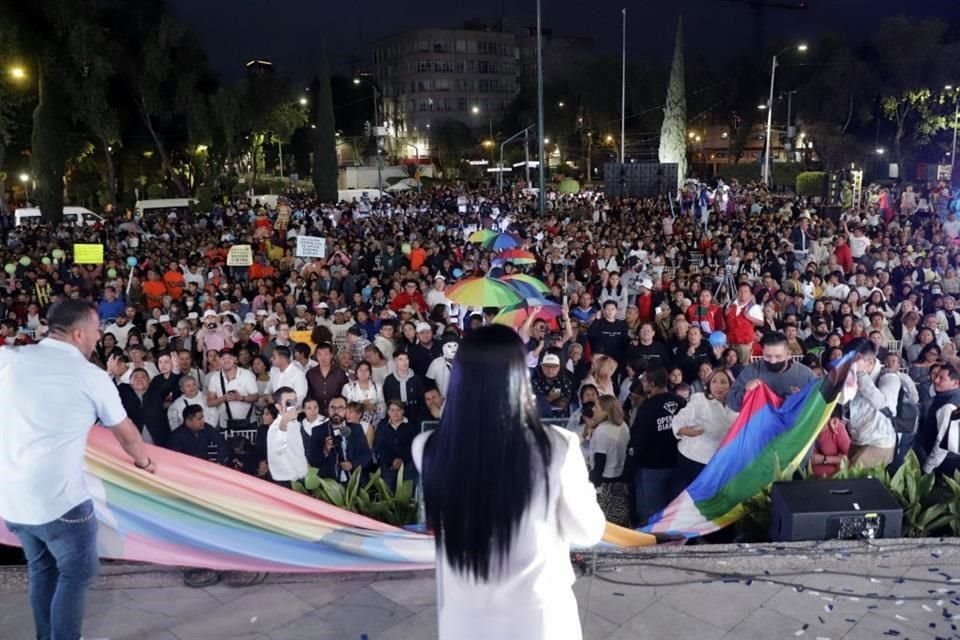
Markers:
873,438
286,456
952,226
121,327
286,374
232,390
437,295
439,370
53,396
190,395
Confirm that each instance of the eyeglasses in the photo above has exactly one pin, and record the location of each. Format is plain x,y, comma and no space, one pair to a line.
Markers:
337,407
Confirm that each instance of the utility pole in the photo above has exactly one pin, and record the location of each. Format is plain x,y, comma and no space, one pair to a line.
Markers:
541,165
589,156
526,154
623,90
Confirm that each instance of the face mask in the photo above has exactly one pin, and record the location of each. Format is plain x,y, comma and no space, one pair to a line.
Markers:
775,367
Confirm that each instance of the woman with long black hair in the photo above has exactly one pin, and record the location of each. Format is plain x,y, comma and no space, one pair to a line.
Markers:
505,497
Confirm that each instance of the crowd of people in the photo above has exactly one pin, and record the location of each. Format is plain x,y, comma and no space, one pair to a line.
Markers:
672,310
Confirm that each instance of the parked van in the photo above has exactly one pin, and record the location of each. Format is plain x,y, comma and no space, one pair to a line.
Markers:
80,216
163,205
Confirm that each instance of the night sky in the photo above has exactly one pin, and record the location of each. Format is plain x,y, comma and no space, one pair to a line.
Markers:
290,32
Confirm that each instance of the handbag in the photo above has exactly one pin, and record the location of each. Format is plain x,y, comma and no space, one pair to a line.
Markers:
235,424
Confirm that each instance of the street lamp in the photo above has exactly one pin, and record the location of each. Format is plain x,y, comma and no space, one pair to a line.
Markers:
546,141
773,79
608,139
560,104
25,179
303,101
762,107
880,151
376,126
18,73
474,109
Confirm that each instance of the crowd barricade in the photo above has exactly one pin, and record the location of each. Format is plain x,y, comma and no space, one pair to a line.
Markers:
249,434
895,346
795,358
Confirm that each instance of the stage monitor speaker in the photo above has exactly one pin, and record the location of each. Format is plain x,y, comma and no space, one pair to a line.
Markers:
832,213
833,510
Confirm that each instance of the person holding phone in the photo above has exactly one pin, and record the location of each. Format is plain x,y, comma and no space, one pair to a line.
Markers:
286,456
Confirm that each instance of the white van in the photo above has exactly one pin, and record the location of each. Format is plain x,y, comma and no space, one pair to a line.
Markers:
162,205
79,216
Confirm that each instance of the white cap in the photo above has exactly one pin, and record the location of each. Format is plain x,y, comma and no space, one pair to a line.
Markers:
209,313
192,315
439,276
342,310
250,319
164,318
261,312
551,359
647,283
423,326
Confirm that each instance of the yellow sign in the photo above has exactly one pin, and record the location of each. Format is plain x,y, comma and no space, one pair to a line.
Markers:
303,336
240,255
88,253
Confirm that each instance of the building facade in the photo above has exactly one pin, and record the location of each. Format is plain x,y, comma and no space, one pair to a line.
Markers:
471,75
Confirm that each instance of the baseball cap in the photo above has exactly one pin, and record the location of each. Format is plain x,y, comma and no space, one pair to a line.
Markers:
423,326
249,318
209,313
551,359
323,305
439,276
192,315
647,283
164,318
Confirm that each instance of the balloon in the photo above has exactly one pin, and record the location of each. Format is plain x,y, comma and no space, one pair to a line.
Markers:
25,261
58,254
10,268
45,260
111,273
457,272
405,248
718,339
131,261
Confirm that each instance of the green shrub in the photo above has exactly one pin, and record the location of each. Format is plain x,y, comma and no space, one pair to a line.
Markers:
812,184
374,499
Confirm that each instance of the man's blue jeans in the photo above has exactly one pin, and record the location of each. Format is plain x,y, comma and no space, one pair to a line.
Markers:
653,489
62,561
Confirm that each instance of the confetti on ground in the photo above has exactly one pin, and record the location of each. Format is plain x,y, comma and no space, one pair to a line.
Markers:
874,580
926,607
253,619
898,602
900,617
828,608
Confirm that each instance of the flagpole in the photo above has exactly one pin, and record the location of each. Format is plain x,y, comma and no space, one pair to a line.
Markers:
623,87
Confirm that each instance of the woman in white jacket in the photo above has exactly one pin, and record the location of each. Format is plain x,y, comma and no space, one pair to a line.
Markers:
505,496
702,424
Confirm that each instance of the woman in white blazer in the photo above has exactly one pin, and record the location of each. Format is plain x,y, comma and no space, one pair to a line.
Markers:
505,497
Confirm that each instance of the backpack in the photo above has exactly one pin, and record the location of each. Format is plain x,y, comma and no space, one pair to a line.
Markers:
907,417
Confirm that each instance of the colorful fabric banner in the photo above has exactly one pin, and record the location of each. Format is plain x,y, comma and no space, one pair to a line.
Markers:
767,433
197,514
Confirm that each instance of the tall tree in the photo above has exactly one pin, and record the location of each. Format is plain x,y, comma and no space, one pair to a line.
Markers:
325,135
915,61
673,132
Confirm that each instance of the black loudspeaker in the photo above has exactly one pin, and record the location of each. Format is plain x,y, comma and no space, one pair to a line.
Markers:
832,213
638,179
833,510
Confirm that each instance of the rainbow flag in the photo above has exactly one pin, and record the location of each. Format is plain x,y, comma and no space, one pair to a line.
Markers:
197,514
769,432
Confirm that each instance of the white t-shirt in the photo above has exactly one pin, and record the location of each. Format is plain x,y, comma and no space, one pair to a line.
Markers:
52,397
244,383
612,440
859,246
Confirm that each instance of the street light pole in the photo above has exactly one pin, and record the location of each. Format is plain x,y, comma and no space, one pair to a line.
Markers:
525,134
541,167
623,89
956,121
766,150
773,79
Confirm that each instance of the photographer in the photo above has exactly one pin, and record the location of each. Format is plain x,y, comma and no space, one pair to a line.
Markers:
338,447
285,455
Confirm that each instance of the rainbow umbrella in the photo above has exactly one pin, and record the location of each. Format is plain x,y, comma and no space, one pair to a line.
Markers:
526,284
502,241
517,256
483,292
515,315
482,235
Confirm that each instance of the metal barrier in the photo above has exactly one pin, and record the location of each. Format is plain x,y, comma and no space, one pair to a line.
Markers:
249,434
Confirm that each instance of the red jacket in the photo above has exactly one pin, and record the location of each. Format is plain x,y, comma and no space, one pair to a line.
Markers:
645,307
403,299
739,327
844,257
712,315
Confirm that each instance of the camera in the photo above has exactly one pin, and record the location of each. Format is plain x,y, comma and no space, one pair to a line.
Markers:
290,404
211,327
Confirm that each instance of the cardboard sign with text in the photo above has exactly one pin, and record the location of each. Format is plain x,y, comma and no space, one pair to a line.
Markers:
240,255
88,253
311,247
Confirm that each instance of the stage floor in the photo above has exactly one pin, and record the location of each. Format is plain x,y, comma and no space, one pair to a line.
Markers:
897,589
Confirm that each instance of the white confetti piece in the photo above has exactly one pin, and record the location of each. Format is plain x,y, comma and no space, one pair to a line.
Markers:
900,617
799,632
939,603
898,602
253,619
822,638
925,607
853,599
874,580
814,593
